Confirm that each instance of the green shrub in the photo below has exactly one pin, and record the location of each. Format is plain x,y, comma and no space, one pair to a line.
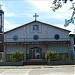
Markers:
9,59
67,59
17,56
51,56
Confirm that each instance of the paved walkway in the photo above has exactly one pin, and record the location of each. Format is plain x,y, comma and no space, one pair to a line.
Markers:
38,70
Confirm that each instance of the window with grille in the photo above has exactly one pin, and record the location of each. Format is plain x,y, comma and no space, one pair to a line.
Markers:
35,27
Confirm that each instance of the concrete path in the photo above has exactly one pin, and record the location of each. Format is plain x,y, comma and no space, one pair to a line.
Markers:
38,70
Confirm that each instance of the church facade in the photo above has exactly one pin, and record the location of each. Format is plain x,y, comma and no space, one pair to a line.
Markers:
35,38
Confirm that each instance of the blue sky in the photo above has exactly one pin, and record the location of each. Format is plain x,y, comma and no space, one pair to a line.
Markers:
19,12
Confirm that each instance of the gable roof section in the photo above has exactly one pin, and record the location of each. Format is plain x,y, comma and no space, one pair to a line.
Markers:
38,22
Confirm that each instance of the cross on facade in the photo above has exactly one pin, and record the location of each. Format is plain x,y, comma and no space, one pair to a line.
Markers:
35,16
0,6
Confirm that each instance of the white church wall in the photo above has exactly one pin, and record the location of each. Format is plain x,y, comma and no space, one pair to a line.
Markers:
64,35
21,48
52,31
28,33
58,48
31,33
8,37
10,49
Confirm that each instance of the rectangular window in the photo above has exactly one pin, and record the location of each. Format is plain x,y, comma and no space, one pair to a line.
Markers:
35,27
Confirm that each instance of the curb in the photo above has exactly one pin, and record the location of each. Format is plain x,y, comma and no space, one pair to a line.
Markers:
29,67
34,67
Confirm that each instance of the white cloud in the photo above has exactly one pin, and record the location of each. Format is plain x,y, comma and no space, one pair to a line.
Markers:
6,12
41,5
28,14
9,26
9,14
59,15
45,5
71,27
65,7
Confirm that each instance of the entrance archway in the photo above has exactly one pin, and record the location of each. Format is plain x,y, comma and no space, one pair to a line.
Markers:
35,53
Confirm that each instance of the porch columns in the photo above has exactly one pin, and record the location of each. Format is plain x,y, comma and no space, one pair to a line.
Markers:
68,46
25,52
72,45
46,44
4,54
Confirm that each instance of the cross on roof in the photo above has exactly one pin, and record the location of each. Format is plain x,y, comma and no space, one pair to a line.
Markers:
0,6
35,16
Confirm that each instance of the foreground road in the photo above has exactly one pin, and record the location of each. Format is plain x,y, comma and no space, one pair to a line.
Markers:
66,70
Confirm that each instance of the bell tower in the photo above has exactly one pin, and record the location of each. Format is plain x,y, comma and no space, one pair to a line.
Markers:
1,29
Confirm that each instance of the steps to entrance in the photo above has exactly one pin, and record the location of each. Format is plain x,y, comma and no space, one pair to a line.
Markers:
32,62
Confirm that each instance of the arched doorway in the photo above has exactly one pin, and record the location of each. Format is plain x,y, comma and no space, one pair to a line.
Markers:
35,53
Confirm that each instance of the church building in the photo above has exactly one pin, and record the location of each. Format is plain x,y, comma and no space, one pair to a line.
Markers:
35,38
